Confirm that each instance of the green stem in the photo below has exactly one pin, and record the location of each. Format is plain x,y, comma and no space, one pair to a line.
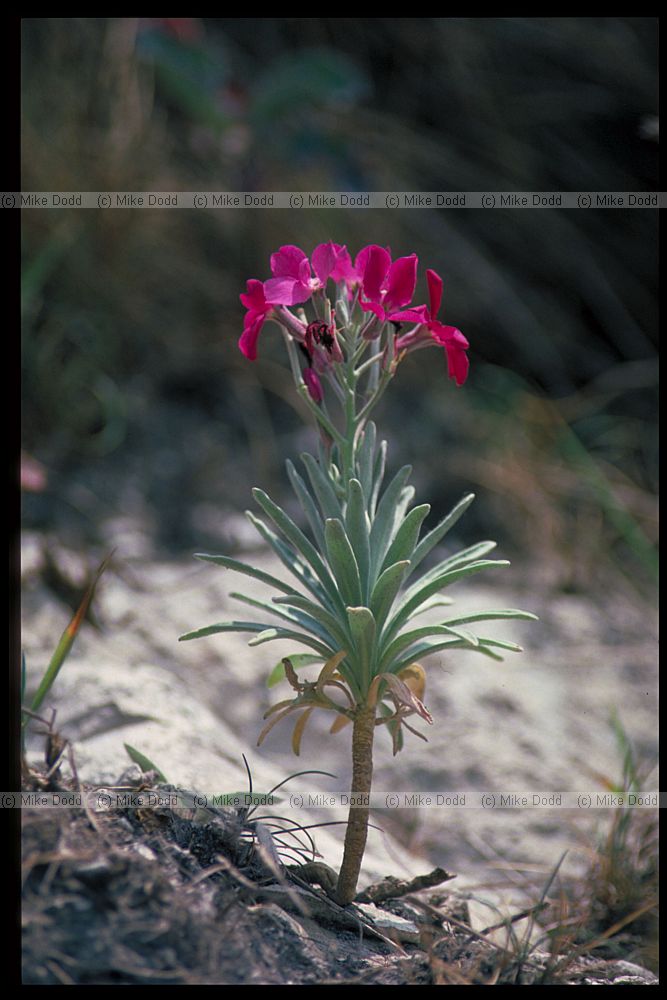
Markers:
357,824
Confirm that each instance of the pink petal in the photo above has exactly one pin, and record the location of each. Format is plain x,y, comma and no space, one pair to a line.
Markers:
375,262
418,314
324,259
448,335
287,261
251,329
254,297
343,270
435,291
373,307
457,362
286,291
400,282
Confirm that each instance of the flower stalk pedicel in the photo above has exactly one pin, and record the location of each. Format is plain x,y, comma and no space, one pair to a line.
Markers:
352,595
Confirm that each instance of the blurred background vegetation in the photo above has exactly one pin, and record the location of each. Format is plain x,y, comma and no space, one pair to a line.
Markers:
138,406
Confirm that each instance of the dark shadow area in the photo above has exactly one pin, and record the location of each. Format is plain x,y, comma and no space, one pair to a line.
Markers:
138,407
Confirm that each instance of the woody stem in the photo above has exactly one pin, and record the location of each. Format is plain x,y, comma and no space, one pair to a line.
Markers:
357,825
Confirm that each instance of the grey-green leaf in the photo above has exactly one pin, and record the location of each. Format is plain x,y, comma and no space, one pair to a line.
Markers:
382,530
386,589
363,630
420,593
307,504
358,532
322,488
240,567
331,622
403,545
342,561
297,539
436,535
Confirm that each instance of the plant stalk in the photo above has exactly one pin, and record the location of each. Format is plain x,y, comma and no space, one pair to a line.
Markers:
357,824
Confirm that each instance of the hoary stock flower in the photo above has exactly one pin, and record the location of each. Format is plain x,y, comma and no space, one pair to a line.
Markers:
352,586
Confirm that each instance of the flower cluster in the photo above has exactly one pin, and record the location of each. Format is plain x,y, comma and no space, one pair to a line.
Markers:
374,290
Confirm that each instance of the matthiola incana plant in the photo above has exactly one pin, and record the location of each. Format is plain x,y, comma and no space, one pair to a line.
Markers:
353,589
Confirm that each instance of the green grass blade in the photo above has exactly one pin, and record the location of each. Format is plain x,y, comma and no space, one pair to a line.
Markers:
67,641
144,762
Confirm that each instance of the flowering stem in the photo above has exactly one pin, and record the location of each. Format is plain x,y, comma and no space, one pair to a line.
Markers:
357,824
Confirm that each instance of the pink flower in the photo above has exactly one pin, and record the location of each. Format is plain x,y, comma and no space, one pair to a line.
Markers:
386,286
259,310
293,282
449,337
331,260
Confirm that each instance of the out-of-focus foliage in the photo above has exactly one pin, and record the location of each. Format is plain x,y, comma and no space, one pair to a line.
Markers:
135,396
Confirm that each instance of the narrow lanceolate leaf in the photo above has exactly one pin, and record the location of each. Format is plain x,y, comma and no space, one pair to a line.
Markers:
403,545
276,718
262,634
331,622
384,521
277,632
365,460
485,616
297,733
433,602
293,617
290,559
257,574
343,562
329,669
420,593
378,477
386,590
308,505
501,644
322,488
423,649
401,643
297,539
363,630
461,558
233,626
436,535
358,531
